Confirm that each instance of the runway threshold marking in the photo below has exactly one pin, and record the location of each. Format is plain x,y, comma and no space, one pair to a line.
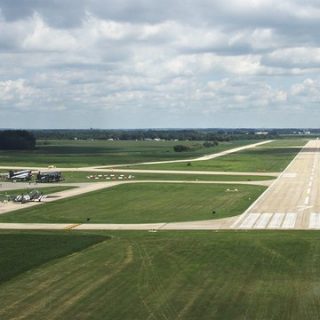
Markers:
263,221
249,221
270,220
276,221
314,222
289,221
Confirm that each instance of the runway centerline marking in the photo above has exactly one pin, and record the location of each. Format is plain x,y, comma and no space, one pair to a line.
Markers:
306,201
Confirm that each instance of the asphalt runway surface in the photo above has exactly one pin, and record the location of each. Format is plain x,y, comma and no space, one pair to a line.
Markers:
293,199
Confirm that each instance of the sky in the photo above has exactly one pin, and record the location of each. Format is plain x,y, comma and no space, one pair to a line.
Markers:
159,64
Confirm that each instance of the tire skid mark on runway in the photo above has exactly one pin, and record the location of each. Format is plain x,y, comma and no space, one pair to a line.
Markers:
276,221
263,221
249,221
289,221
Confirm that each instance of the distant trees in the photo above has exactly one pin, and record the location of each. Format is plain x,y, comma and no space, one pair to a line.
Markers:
17,140
209,135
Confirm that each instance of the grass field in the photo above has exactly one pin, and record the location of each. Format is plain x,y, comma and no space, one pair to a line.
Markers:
176,275
104,176
23,251
253,160
288,143
144,202
66,153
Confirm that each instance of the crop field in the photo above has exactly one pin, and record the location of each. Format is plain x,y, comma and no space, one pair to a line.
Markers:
262,159
74,176
144,202
66,153
164,275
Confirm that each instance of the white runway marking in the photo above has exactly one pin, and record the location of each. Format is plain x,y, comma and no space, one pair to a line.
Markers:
308,191
289,221
314,222
307,200
249,221
263,221
276,221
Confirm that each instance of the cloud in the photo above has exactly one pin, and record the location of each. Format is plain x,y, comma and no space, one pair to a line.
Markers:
159,62
302,58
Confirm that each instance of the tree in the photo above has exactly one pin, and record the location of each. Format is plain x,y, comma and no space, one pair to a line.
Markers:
17,140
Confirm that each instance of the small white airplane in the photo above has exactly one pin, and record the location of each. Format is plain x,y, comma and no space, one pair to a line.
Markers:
25,175
34,196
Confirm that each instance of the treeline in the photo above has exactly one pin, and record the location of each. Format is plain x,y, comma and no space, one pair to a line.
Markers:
168,134
17,140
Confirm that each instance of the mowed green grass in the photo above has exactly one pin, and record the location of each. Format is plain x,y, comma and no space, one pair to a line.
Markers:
143,203
262,159
176,275
23,251
66,153
70,176
294,142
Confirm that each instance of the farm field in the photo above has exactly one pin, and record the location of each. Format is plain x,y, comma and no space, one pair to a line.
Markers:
70,177
261,159
144,203
67,153
166,275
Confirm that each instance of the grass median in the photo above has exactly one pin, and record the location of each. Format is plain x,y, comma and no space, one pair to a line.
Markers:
73,177
144,203
252,160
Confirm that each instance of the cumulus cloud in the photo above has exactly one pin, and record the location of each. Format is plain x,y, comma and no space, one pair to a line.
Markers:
159,63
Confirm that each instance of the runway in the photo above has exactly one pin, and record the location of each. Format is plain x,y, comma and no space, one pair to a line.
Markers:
293,200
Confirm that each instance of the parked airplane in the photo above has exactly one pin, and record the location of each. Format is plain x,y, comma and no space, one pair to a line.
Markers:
49,177
34,195
25,175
